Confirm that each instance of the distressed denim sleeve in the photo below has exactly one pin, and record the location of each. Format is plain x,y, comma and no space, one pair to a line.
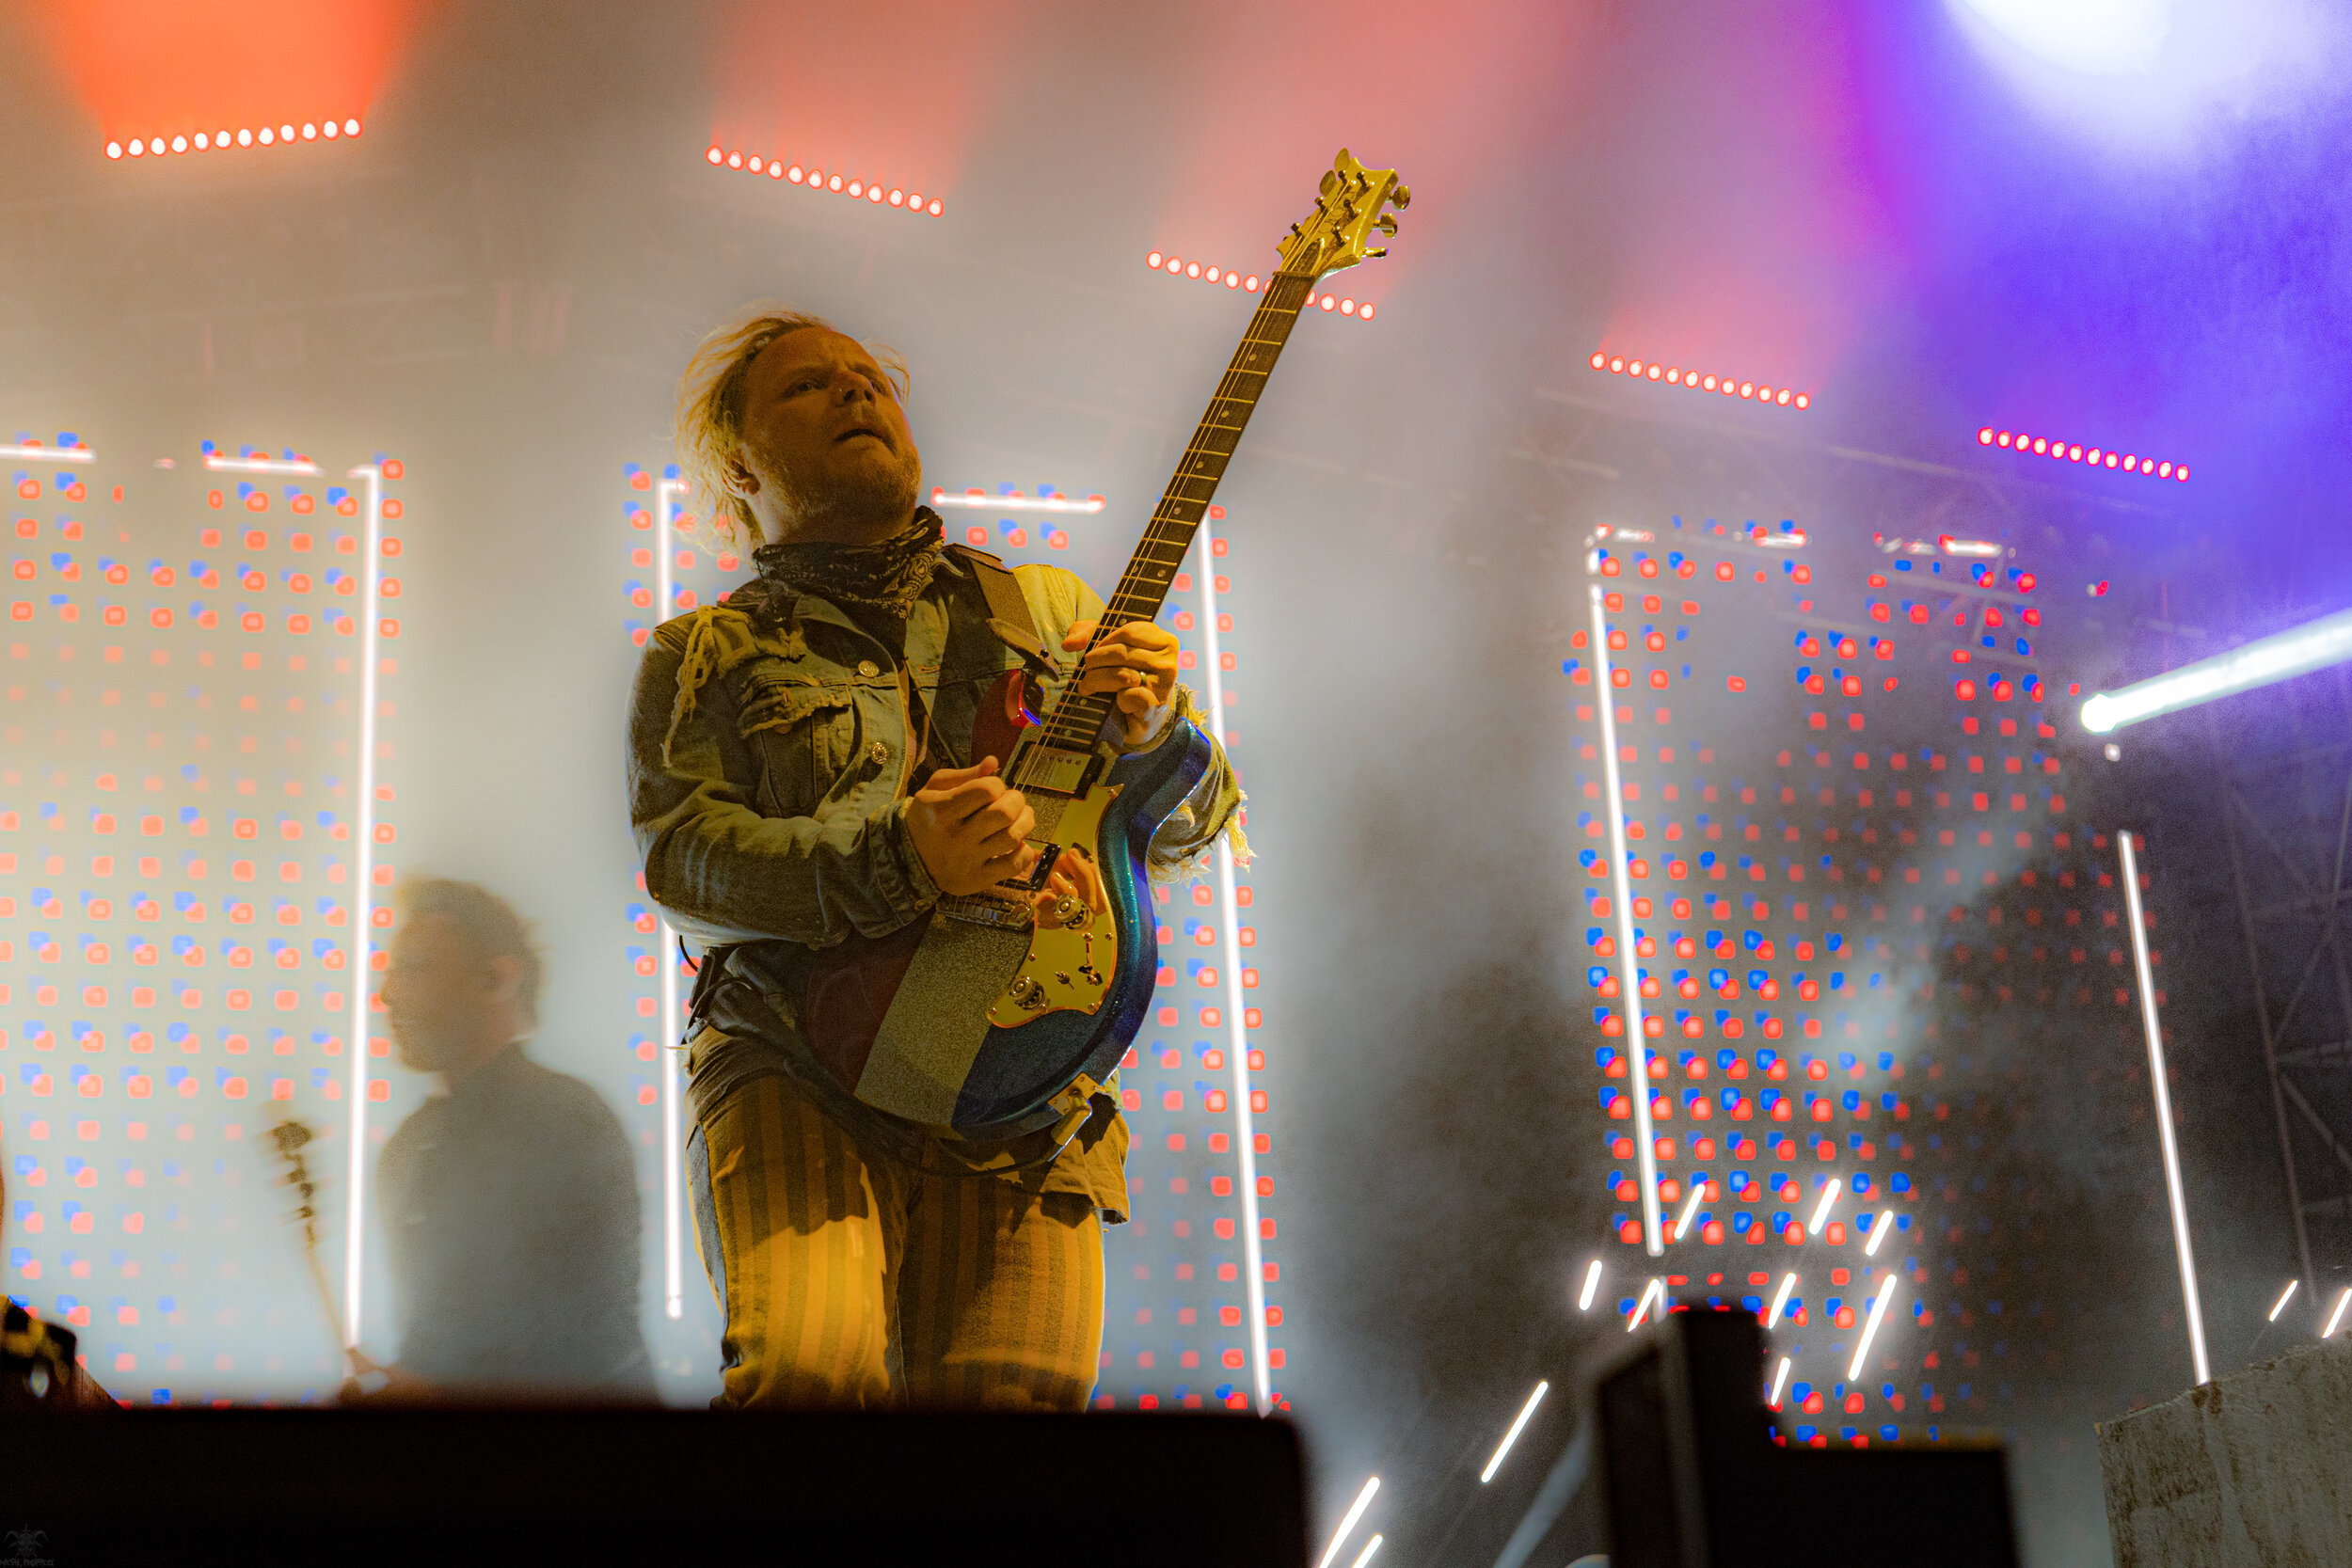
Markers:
1060,598
720,870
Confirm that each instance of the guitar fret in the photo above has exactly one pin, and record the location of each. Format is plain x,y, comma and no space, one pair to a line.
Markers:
1168,536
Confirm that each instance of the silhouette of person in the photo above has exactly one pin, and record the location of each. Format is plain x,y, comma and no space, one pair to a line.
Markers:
510,1198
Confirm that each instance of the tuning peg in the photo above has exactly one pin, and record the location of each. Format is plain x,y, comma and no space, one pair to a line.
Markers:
1375,253
1401,195
1386,223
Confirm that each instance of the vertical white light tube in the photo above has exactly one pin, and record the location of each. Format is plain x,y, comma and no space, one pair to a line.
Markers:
1655,1289
1591,1283
2164,1109
666,493
1870,1328
1355,1511
362,903
1780,1298
1629,972
1502,1449
1236,1033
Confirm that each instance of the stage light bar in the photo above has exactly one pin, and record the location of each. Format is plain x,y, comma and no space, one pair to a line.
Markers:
1674,376
1780,1381
1629,968
1655,1289
1780,1298
1236,1015
1513,1435
218,464
2280,1305
1879,1232
817,179
1691,1209
1176,267
37,453
980,501
2263,662
244,136
1370,1547
1339,1537
668,494
1870,1328
2154,1031
1591,1283
362,902
1829,1201
2336,1318
2044,445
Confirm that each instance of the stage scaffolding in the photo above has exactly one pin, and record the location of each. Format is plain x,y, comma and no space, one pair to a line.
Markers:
2287,812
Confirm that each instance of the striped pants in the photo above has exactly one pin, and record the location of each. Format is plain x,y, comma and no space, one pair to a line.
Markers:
850,1280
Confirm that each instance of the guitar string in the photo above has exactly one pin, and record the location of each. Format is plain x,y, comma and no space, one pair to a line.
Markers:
1141,588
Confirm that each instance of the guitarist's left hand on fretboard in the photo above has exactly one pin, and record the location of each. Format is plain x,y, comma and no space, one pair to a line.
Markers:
1137,662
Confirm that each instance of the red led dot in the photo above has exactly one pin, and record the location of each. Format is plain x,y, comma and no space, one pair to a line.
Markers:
1985,438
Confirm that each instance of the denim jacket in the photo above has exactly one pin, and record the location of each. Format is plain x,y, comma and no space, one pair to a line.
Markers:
768,780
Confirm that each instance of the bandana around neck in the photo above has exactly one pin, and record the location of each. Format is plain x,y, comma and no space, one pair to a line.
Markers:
891,575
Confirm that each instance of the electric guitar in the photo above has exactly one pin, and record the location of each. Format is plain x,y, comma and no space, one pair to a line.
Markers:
972,1020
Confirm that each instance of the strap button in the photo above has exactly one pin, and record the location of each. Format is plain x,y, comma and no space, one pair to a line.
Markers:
868,667
877,754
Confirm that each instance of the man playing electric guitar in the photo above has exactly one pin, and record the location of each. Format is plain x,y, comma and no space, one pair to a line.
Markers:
798,776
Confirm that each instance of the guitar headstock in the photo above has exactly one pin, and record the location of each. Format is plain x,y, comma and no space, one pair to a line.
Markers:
1352,205
290,1136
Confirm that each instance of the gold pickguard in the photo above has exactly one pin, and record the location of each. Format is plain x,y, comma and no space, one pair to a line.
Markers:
1073,951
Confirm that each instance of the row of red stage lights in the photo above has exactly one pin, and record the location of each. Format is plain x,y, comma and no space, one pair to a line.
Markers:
1674,376
816,179
219,142
1177,267
2042,445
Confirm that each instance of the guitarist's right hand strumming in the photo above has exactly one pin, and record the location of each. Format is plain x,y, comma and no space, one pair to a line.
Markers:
970,830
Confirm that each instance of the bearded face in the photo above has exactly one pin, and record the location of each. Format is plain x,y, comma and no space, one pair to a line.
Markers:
826,452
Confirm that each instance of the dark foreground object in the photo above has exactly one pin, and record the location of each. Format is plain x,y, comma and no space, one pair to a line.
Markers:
1694,1481
437,1486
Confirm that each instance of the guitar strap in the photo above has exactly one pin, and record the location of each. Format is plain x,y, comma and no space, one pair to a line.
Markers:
1008,614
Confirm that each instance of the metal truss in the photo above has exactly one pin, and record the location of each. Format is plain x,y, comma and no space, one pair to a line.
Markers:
2288,818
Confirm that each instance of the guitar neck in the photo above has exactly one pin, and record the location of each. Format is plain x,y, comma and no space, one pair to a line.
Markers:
1074,721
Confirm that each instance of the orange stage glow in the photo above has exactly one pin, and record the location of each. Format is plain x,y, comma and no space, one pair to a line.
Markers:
149,67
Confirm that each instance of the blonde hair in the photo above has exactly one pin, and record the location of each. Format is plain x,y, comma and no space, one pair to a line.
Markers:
709,432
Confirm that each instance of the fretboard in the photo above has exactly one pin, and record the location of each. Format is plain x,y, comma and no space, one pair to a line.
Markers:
1143,587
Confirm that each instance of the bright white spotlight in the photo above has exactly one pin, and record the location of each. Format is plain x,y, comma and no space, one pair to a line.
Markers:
1591,1283
1870,1329
1780,1381
2263,662
1339,1537
1829,1201
2096,38
1513,1435
1878,1232
2336,1317
2284,1296
1780,1298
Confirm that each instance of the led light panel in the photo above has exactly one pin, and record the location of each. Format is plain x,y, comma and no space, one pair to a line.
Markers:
853,187
1176,267
187,900
1837,790
1700,381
